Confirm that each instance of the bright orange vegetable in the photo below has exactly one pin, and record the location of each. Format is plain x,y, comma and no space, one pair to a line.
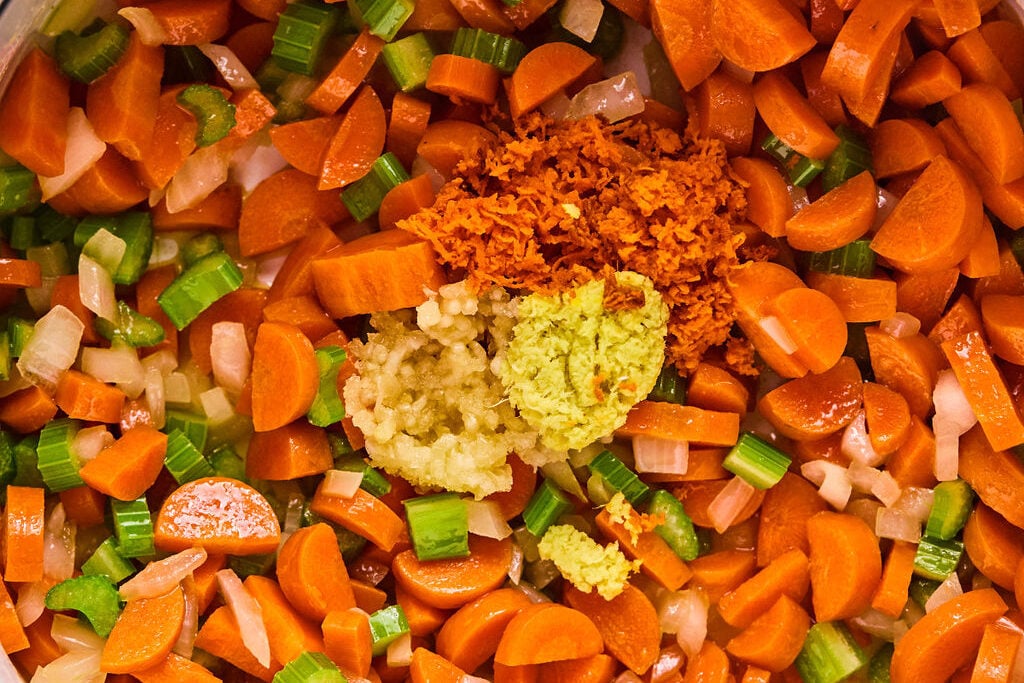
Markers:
348,641
684,31
997,654
175,669
784,513
598,668
845,565
407,123
978,63
893,589
84,505
451,583
791,117
1000,314
23,534
463,79
628,624
12,634
302,312
825,100
542,73
758,35
983,259
27,410
127,468
283,356
713,388
302,143
34,114
787,574
709,665
221,210
773,639
888,418
718,573
220,637
66,293
356,144
840,216
658,560
362,514
903,145
484,14
995,546
988,123
86,398
295,278
681,423
111,185
814,323
797,407
404,200
429,667
192,22
752,287
909,366
312,573
144,633
445,143
295,450
547,632
930,79
173,139
254,42
858,299
470,636
697,496
347,74
290,634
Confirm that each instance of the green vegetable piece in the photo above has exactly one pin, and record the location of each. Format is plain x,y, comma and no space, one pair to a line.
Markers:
677,529
854,259
937,558
386,626
27,462
373,481
501,52
805,170
135,228
54,226
107,561
131,327
198,246
86,57
133,527
878,671
327,407
194,427
852,157
364,196
301,34
619,477
19,331
183,460
214,114
669,387
438,526
545,507
830,654
756,461
921,589
95,597
408,60
5,355
198,287
310,667
57,463
227,463
22,232
18,188
385,17
252,565
952,504
8,461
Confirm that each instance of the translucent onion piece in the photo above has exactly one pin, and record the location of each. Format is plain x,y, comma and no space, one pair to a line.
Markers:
947,450
341,483
723,510
421,166
916,501
108,249
635,39
772,326
466,678
155,399
77,666
856,444
230,356
30,604
561,473
798,198
952,404
886,489
556,106
96,288
83,151
900,325
177,389
217,405
664,456
865,508
534,595
685,613
150,31
204,171
59,545
52,348
162,360
862,477
229,66
248,615
88,442
515,567
670,661
74,634
831,479
947,590
190,626
528,543
881,625
268,268
897,525
293,513
485,519
39,297
118,365
399,652
884,203
254,162
613,99
161,576
581,17
7,670
165,252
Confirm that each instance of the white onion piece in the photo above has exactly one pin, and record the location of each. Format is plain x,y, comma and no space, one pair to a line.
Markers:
947,450
421,166
149,29
664,456
581,17
165,252
561,473
118,365
856,444
7,670
163,360
268,268
485,519
77,666
862,477
772,326
613,99
39,297
897,525
248,615
229,66
886,489
798,198
96,288
534,595
831,479
865,508
52,348
685,614
155,399
952,404
900,325
876,623
947,590
230,356
73,634
399,652
106,248
292,516
916,502
177,389
190,625
59,545
726,506
515,567
217,406
255,161
556,106
161,576
83,150
341,483
30,603
204,171
88,442
635,40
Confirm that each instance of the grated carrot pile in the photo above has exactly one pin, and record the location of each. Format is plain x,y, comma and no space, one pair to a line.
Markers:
557,203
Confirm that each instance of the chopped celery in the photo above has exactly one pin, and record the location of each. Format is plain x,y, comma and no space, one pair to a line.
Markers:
438,526
85,57
619,477
95,597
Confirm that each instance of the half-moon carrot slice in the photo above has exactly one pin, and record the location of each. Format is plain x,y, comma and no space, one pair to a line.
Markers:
791,117
543,72
144,633
628,623
312,573
451,583
815,324
684,31
283,357
995,546
1003,318
837,218
845,565
990,126
814,406
903,145
769,204
471,635
758,35
548,632
356,144
752,287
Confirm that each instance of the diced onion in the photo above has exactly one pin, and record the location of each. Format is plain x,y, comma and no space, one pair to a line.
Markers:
900,325
485,519
96,288
84,149
772,326
217,406
149,29
163,360
916,502
947,590
885,202
73,634
88,442
556,106
865,508
862,477
831,479
184,646
52,348
77,666
664,456
155,399
204,171
59,545
7,670
341,483
635,39
534,595
886,489
561,473
399,652
726,506
798,198
230,356
39,297
515,567
118,365
856,444
161,576
466,678
255,161
582,17
947,449
685,614
670,661
897,525
165,252
613,99
268,268
876,623
248,615
952,404
30,604
177,389
106,248
229,66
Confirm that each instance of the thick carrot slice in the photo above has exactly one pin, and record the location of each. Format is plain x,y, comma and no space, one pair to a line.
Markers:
220,637
42,648
1005,201
463,79
312,573
825,100
787,574
784,513
406,126
446,143
23,534
122,104
404,200
681,423
958,16
19,273
925,295
524,479
302,143
86,398
997,654
903,145
859,299
528,11
814,323
218,514
988,123
839,217
725,110
244,305
219,211
599,668
978,63
295,450
713,388
283,209
658,560
697,496
548,632
1005,38
429,667
718,573
684,31
109,186
798,408
282,357
774,639
930,79
995,546
356,144
791,117
347,74
470,636
769,204
295,278
983,258
175,669
424,619
362,514
845,565
543,72
83,505
709,665
34,114
961,319
12,633
1000,314
752,287
144,634
946,638
758,35
27,410
934,225
348,640
451,583
302,312
485,14
996,476
254,42
908,366
888,418
913,464
434,15
628,624
173,139
127,468
893,589
289,633
192,22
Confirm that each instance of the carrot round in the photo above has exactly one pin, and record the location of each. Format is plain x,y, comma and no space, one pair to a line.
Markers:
405,199
12,634
784,513
845,565
548,632
822,97
684,31
451,583
709,665
543,72
903,145
218,514
282,357
787,574
219,211
409,119
356,144
347,74
946,638
127,468
769,205
758,35
1004,326
930,79
774,639
289,633
978,63
718,573
192,22
798,408
463,78
628,624
312,573
995,546
814,323
859,299
696,496
524,479
348,640
298,449
295,277
27,410
470,636
888,418
839,217
362,514
34,114
599,668
220,637
110,186
791,117
175,669
752,287
144,633
445,143
909,366
424,619
988,122
23,534
302,143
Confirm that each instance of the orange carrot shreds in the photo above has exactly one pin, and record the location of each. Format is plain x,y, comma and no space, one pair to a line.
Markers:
556,203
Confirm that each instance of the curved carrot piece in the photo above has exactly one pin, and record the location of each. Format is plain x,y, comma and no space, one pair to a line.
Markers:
961,319
463,79
997,654
484,14
192,22
109,186
709,665
1005,38
758,35
543,72
978,63
363,514
404,200
218,514
990,126
983,259
312,573
86,398
289,633
24,519
628,624
598,668
470,636
264,9
845,565
859,299
791,117
524,479
406,125
435,15
12,635
903,145
934,225
348,640
547,632
283,209
946,638
724,107
176,669
144,633
774,639
347,74
798,408
173,139
282,357
925,295
127,468
930,79
888,418
451,583
254,42
784,513
909,366
1000,314
837,218
913,464
356,144
244,305
220,210
995,546
27,410
85,506
752,287
696,496
295,277
220,637
34,114
675,422
825,100
424,619
957,16
303,312
721,572
684,31
891,596
787,574
713,388
815,325
296,450
445,143
302,143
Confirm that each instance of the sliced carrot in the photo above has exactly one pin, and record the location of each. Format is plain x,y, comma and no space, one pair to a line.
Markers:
997,654
446,143
144,633
598,668
451,583
368,598
784,513
424,619
27,410
429,667
825,100
913,464
84,397
697,496
725,110
837,218
994,476
903,145
218,514
12,634
356,144
526,12
930,79
192,22
709,665
988,123
773,639
908,365
253,111
434,15
814,323
218,211
720,572
684,32
946,638
524,479
302,312
891,595
543,72
681,423
798,408
463,79
758,35
347,74
244,305
348,640
302,143
404,200
755,674
34,114
983,258
787,574
858,299
888,418
175,669
23,534
84,505
658,560
282,357
484,14
122,104
995,546
66,293
264,9
628,624
312,573
868,108
961,318
1009,281
127,468
826,19
295,278
290,634
109,186
547,632
19,273
925,295
254,42
173,139
1004,328
791,117
845,565
826,448
958,16
979,64
295,450
470,636
752,287
409,117
1005,38
220,637
713,388
283,209
362,514
985,389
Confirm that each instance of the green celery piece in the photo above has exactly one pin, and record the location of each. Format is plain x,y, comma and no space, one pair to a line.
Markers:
212,111
86,57
95,597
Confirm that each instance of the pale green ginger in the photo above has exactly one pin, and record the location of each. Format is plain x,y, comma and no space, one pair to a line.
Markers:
574,368
584,562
